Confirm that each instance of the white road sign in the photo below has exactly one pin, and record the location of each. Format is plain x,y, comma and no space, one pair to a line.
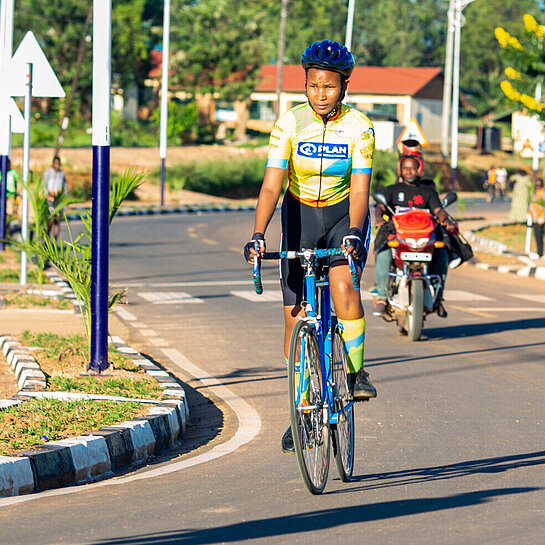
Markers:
14,74
8,107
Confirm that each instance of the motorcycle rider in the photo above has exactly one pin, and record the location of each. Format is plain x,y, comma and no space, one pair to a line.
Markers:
411,191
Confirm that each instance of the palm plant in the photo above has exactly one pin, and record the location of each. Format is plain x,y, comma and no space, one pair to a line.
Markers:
73,257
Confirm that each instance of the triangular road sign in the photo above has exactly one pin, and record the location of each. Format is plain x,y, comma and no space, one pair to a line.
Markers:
8,107
44,80
413,132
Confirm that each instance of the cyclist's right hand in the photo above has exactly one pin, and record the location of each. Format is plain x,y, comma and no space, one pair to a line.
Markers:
250,248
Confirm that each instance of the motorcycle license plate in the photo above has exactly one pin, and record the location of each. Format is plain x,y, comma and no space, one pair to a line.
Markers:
415,256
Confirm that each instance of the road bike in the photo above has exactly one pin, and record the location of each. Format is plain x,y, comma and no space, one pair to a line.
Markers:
321,406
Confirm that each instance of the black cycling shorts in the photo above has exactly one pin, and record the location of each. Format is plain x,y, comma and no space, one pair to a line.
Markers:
311,227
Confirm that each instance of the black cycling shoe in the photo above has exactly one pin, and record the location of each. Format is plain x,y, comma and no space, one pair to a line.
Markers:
360,386
287,442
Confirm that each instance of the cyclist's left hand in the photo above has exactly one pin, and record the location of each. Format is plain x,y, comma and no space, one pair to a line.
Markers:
249,248
353,243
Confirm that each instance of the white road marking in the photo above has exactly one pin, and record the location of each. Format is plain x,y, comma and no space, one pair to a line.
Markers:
248,428
509,309
168,297
198,284
462,295
147,332
529,297
266,297
125,315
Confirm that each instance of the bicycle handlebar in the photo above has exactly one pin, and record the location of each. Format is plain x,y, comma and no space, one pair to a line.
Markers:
293,254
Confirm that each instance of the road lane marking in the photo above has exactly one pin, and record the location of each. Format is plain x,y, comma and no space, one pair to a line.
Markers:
198,284
209,241
248,428
509,309
168,297
528,297
462,295
471,311
253,297
126,315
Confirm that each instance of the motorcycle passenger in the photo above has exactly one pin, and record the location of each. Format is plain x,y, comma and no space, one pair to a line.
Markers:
411,191
326,148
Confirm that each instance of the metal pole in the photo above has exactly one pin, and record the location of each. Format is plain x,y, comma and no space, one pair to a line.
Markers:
447,85
26,160
280,55
535,153
6,46
455,94
102,34
349,25
164,97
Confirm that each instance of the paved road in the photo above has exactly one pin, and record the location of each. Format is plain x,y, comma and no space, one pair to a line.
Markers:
452,450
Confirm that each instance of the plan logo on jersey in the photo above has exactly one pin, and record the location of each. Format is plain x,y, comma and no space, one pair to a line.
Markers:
316,150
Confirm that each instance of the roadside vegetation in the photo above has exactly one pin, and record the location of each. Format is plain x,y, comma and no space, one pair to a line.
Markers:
513,236
63,359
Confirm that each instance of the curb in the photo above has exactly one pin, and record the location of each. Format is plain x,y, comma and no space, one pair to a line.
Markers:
97,454
527,270
158,210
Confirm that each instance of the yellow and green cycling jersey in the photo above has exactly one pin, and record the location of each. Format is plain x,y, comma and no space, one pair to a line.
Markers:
321,158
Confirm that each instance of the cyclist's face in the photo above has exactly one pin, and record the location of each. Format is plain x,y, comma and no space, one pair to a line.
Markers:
323,89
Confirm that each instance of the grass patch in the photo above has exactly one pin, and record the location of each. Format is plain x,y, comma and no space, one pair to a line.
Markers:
35,421
29,300
513,236
63,359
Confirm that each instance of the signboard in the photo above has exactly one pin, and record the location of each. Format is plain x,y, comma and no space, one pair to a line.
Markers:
413,132
527,132
14,74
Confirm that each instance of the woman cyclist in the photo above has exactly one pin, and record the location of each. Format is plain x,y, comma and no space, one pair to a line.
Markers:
326,148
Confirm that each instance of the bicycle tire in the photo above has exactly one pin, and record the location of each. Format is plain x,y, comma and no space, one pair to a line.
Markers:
343,430
310,427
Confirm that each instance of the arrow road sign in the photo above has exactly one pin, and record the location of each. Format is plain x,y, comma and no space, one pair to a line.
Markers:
14,74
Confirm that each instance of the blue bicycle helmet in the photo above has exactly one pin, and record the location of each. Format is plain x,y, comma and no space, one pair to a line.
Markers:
328,55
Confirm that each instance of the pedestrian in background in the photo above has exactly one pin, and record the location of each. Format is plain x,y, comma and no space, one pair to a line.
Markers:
537,211
55,186
520,198
489,183
501,182
12,178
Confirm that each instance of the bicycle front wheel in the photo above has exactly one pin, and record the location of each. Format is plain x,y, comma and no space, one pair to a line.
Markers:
343,430
309,416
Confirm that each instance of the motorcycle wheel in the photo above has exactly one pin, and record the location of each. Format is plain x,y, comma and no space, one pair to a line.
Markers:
416,311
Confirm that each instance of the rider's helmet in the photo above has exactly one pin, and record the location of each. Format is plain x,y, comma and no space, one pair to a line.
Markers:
328,55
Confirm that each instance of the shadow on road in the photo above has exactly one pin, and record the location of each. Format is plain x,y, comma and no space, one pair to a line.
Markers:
498,464
313,521
376,362
485,328
249,374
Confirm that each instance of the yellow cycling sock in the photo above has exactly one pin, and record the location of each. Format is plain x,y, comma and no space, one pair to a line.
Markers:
353,334
306,383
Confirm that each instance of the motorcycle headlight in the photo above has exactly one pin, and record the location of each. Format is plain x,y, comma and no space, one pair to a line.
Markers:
417,244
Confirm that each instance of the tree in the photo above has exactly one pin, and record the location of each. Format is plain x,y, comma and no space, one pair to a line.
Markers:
527,64
218,47
59,26
481,65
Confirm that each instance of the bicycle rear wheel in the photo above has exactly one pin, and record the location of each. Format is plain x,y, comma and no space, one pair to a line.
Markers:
309,417
343,431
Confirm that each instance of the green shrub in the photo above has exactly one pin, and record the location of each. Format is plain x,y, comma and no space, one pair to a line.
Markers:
384,170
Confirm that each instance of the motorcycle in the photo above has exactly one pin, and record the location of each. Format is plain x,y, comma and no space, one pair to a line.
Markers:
412,291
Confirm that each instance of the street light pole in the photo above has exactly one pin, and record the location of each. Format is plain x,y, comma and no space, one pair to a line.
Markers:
349,25
280,55
164,97
459,6
447,84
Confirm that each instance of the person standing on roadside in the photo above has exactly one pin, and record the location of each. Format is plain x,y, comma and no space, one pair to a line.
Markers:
12,178
520,198
537,211
501,182
55,186
489,183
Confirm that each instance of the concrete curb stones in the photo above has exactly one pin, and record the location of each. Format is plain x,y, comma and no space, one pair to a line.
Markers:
97,454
